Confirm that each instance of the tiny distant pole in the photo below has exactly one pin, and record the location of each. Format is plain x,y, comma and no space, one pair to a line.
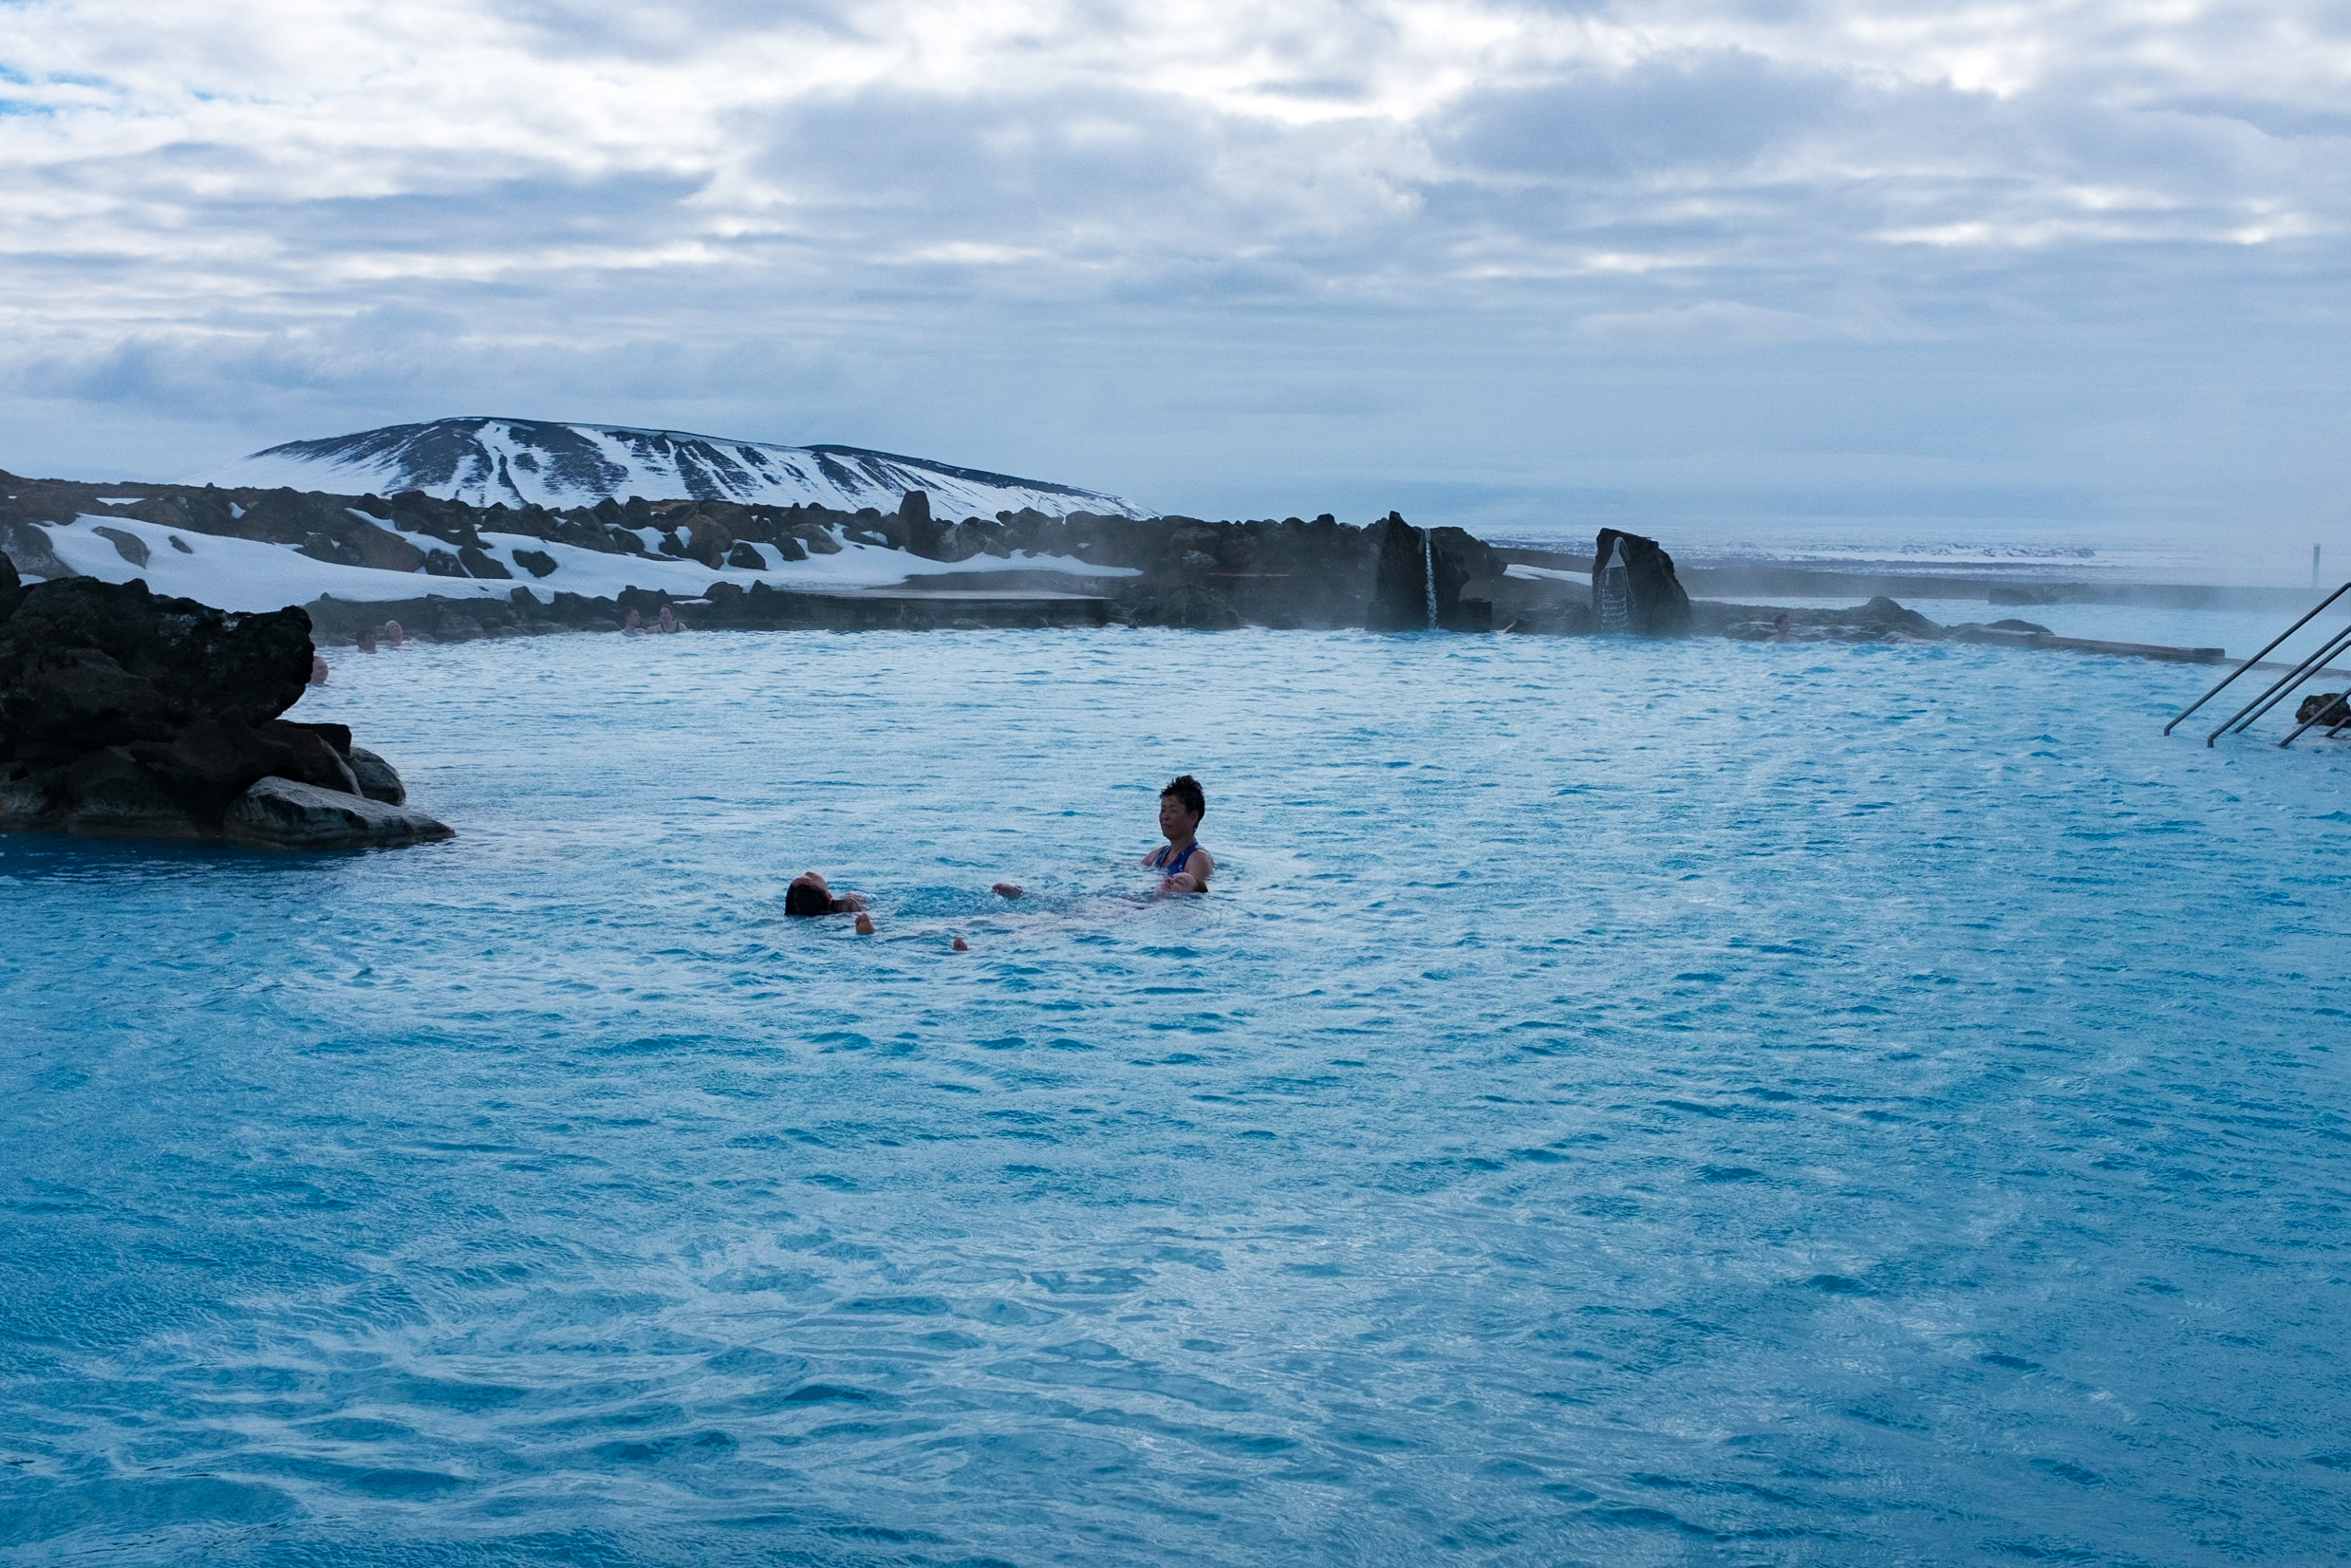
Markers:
2314,566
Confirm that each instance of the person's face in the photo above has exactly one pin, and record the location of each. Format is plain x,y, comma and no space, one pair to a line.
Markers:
1174,821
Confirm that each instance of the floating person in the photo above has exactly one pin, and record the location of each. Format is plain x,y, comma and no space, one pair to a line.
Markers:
807,895
1184,863
633,627
393,635
1779,628
318,669
367,641
669,621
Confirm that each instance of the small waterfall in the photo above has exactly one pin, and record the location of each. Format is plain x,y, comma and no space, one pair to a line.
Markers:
1615,591
1429,575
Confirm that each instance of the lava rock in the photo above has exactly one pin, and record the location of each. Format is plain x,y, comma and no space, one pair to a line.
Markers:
127,543
1417,584
1883,615
479,563
2325,708
25,546
284,814
125,715
1654,602
1189,605
100,664
108,793
376,779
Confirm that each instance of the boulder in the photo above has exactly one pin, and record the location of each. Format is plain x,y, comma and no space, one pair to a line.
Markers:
2325,708
108,793
124,715
104,663
127,543
381,547
1634,588
377,780
1884,616
1189,605
1417,584
479,563
25,546
285,813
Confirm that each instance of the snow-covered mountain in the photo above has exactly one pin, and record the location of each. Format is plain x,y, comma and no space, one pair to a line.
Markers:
518,461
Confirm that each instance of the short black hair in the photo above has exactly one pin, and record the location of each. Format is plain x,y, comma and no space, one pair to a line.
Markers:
1186,791
806,898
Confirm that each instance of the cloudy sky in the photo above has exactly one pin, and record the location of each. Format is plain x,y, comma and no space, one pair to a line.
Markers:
2079,263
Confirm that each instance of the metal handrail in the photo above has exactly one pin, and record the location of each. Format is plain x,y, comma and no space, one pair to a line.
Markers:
2255,659
2312,668
2277,692
2315,720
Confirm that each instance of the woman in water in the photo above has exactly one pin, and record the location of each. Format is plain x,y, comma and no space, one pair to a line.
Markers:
809,896
1185,866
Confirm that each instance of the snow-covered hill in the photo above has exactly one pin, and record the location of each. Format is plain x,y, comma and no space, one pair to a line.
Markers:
522,461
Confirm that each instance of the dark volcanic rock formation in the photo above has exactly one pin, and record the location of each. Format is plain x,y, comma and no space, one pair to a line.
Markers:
1633,588
1287,572
1413,561
128,716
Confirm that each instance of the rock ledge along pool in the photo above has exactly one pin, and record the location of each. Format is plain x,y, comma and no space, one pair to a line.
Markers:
1623,1104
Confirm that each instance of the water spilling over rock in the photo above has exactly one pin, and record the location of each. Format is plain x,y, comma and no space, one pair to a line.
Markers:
1633,588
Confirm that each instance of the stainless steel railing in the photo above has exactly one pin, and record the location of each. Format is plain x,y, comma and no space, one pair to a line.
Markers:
2285,684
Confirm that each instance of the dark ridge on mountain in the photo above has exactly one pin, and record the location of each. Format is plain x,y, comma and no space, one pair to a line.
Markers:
486,460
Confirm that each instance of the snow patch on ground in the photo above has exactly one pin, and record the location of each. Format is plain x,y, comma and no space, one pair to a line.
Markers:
1546,574
248,574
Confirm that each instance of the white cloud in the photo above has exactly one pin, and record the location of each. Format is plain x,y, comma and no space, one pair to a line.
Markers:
954,226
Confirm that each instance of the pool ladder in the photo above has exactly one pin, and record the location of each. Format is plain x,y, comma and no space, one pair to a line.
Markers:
2284,685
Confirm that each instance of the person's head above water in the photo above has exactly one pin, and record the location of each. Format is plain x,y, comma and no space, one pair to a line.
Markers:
1180,807
807,895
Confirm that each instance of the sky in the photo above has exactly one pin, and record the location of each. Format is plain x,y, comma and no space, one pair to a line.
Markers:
2075,266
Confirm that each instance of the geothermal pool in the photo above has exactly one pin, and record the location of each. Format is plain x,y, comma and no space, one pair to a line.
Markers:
1625,1104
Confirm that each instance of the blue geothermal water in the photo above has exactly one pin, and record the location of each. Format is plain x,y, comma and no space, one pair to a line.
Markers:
1625,1104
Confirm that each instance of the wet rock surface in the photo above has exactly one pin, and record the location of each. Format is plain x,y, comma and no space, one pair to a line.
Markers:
124,715
1422,577
287,814
1634,588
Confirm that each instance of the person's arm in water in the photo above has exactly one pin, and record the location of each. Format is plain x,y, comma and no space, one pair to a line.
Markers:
1194,877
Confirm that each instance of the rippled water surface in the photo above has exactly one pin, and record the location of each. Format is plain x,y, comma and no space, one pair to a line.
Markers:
1625,1104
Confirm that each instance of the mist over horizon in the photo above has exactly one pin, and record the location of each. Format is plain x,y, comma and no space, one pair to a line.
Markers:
1712,271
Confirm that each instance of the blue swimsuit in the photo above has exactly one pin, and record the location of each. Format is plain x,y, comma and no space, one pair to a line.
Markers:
1160,860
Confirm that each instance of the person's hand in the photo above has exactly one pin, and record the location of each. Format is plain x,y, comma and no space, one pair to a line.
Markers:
852,902
1006,889
1183,882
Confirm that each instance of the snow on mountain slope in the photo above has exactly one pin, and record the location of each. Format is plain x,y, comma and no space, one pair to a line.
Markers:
248,575
518,461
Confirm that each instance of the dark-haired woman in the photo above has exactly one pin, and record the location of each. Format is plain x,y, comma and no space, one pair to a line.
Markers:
1184,863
